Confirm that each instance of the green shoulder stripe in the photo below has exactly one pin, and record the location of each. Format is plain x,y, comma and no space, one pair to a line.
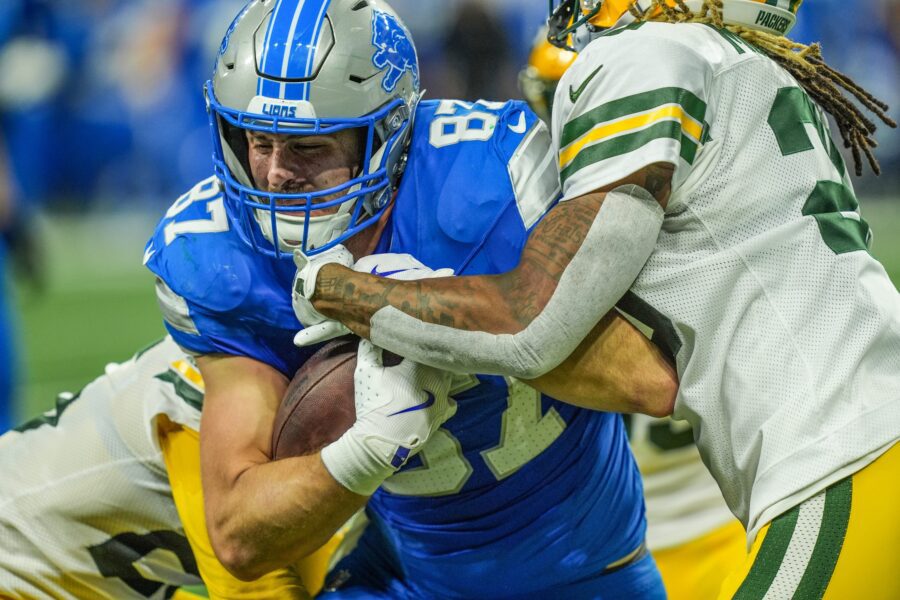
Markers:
629,105
185,391
51,417
624,144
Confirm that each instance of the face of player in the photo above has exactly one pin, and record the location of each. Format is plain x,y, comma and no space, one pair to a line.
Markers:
294,164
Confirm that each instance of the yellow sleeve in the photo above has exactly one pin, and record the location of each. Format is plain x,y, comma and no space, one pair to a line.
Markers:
181,452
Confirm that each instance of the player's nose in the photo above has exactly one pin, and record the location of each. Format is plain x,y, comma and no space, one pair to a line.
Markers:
281,171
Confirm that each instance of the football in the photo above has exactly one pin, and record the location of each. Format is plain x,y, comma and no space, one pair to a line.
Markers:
318,405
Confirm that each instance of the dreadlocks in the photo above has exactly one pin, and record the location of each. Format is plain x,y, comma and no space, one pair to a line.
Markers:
825,85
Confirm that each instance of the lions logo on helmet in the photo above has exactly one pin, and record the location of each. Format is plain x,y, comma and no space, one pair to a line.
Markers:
284,68
395,50
231,27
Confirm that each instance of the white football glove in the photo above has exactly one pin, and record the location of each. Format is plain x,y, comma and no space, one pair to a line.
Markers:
393,266
397,410
305,286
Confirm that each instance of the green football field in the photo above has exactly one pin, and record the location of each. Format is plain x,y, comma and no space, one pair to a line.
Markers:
99,305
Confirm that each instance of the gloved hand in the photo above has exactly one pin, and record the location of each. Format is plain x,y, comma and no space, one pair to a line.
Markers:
393,266
305,286
404,267
397,409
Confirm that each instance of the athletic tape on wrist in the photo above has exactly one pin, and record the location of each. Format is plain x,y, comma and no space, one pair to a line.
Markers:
617,245
356,466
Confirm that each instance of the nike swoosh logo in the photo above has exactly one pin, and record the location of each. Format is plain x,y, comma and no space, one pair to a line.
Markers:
422,406
574,94
520,126
375,271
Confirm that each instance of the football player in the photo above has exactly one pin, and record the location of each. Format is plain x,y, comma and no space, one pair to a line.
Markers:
90,494
692,535
743,249
320,140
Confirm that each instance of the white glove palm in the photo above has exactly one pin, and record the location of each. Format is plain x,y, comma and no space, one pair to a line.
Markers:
397,410
393,266
304,287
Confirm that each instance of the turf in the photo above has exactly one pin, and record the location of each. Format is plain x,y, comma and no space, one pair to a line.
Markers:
99,304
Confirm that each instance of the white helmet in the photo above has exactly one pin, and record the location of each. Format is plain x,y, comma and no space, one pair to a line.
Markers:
575,20
307,67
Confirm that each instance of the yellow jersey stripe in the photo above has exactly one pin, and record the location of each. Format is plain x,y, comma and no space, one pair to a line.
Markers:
606,130
188,372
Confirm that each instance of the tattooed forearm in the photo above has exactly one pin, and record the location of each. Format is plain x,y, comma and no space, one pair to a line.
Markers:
504,303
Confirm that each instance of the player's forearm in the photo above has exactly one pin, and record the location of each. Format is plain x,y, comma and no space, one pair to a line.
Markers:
275,513
615,369
473,303
504,303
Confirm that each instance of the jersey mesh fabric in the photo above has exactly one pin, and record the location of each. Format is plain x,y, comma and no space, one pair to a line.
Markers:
102,507
789,350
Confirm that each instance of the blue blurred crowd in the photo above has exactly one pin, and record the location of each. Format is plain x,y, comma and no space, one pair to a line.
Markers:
101,101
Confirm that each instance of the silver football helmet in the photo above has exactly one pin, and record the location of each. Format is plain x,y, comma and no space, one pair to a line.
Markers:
307,67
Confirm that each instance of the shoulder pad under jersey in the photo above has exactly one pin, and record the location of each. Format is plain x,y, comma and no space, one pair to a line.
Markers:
479,178
215,292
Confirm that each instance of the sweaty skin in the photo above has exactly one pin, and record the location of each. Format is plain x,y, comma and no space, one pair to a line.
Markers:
613,358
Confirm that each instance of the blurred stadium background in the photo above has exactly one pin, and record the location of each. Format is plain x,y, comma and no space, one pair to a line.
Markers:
102,124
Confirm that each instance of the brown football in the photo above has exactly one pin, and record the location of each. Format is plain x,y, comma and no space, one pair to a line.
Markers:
318,406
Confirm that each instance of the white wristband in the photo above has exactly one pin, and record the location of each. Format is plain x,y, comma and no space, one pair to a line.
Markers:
360,466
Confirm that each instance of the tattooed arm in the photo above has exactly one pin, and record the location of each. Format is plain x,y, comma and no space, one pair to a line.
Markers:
509,302
494,303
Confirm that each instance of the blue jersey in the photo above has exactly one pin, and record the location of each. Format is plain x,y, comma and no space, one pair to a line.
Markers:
518,493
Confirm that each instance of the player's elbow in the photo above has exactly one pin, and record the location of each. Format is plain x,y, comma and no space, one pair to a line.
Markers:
243,559
656,396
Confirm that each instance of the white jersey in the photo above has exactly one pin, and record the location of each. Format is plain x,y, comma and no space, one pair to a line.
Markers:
785,331
86,510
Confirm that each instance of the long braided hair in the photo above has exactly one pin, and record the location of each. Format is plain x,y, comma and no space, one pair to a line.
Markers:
824,84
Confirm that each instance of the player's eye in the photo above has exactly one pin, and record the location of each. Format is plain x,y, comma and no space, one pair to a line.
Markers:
261,145
306,147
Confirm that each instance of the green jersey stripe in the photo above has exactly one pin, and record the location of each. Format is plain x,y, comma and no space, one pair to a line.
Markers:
636,103
185,391
50,417
628,143
835,518
688,149
769,558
